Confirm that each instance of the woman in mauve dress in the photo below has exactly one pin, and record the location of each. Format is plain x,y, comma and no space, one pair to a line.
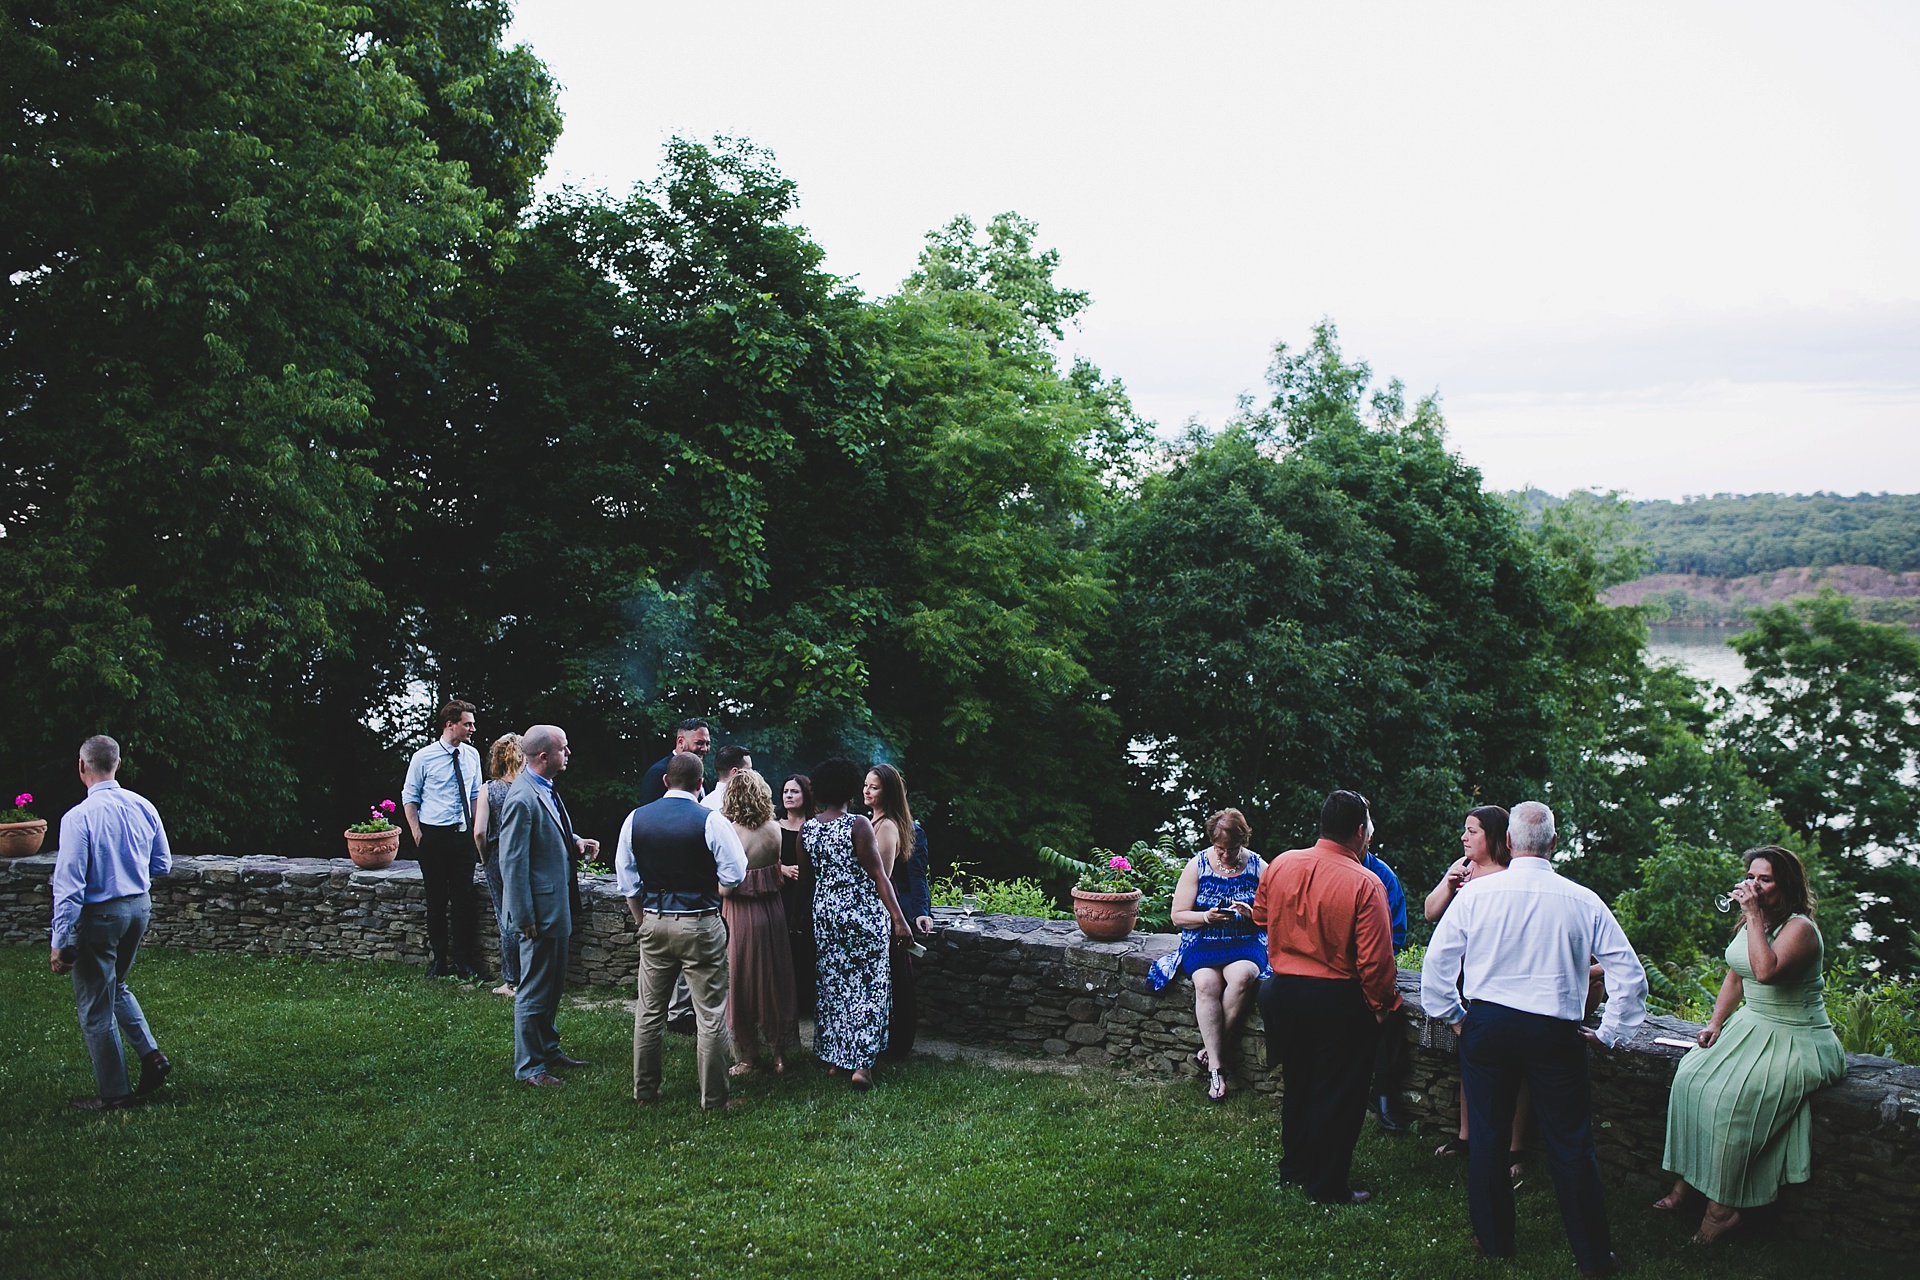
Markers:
761,1015
1738,1124
855,915
796,883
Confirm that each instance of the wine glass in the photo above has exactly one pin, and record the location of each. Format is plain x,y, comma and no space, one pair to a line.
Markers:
1722,903
968,904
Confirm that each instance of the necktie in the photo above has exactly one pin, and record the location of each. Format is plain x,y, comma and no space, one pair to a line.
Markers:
460,780
566,824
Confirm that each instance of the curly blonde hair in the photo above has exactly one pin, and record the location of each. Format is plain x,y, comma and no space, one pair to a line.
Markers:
749,802
504,758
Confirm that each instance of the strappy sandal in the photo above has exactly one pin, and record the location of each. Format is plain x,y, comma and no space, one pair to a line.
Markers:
1452,1147
1672,1200
1205,1063
741,1069
1216,1085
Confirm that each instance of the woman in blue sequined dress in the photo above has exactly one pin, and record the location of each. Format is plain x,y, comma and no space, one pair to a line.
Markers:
1220,948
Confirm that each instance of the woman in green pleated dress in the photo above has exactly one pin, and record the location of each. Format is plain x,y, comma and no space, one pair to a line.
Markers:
1737,1120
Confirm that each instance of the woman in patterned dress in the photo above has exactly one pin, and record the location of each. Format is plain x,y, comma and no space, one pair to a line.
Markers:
1220,947
855,915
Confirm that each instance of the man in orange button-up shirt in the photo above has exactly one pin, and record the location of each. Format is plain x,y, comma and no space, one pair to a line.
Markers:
1330,941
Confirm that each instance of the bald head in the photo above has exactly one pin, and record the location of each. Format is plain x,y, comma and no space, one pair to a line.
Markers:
545,747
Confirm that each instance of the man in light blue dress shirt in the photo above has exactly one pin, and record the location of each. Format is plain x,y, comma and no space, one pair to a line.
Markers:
112,844
1518,947
439,795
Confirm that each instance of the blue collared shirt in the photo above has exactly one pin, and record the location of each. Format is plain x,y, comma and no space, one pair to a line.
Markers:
430,784
1396,898
112,845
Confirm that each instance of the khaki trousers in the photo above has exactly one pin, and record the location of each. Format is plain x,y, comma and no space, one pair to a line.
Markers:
671,947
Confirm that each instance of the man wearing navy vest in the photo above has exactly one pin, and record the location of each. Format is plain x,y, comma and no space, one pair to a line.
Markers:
674,861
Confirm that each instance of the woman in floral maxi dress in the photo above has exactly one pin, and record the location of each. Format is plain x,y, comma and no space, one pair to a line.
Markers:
854,916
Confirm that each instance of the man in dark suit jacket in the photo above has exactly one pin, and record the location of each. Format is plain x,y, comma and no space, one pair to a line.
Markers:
537,843
690,737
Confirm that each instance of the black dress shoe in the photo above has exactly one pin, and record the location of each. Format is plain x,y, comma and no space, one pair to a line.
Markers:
543,1080
562,1060
98,1103
1383,1113
154,1070
1606,1268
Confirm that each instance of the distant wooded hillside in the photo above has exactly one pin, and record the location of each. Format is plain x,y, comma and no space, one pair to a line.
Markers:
1733,536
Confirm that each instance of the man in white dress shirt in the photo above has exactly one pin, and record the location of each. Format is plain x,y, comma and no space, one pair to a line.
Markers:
674,860
442,787
1518,946
727,761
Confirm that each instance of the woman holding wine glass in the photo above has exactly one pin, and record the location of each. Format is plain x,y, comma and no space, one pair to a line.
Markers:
796,883
1483,852
855,918
1737,1119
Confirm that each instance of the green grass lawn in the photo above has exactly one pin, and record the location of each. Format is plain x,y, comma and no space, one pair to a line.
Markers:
358,1119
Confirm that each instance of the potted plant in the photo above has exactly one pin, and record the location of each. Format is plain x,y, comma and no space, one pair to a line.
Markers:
372,844
1116,890
21,832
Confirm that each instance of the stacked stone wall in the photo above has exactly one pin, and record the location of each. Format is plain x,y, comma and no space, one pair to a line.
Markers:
1043,988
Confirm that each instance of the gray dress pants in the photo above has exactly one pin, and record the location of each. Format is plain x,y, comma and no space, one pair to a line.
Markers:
543,976
105,942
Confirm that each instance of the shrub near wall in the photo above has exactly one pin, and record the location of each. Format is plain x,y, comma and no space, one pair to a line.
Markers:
1039,986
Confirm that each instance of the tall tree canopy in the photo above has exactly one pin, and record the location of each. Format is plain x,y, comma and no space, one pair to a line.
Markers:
208,271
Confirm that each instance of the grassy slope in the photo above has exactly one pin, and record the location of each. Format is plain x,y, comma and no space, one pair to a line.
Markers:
356,1119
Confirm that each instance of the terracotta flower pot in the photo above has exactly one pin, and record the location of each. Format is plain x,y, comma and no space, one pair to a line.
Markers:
372,850
22,839
1106,917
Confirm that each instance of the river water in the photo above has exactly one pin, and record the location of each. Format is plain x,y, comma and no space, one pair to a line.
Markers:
1702,651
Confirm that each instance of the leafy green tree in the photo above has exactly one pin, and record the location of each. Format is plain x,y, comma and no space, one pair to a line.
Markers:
1830,724
1324,596
219,220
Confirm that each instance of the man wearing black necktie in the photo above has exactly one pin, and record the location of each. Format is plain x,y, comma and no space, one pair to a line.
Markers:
442,786
537,846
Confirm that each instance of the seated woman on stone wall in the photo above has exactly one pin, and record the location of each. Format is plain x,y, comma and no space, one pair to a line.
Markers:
1738,1124
1220,947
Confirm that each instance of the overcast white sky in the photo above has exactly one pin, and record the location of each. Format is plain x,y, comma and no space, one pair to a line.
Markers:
1667,248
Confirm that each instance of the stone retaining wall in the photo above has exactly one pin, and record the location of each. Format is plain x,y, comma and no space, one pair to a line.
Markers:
1039,985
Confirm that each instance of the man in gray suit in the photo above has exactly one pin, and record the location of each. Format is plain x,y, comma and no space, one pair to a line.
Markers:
536,844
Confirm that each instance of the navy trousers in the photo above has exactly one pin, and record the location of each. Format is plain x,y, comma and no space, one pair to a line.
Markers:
1500,1047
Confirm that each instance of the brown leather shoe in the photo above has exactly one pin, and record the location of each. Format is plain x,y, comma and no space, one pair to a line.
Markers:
98,1103
542,1080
